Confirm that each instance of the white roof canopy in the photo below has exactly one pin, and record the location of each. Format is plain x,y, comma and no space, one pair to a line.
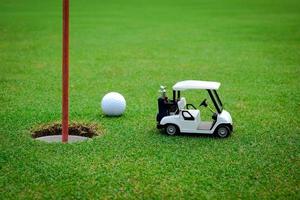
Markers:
196,85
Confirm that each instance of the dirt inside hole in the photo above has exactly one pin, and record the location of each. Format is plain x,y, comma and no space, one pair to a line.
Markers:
79,129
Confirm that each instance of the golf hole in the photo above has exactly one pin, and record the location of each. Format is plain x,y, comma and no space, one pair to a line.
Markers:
77,132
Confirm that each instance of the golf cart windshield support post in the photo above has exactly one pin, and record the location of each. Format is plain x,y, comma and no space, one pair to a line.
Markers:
218,98
174,96
214,101
178,94
65,72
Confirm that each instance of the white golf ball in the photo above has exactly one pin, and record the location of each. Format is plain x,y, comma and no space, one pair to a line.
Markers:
113,104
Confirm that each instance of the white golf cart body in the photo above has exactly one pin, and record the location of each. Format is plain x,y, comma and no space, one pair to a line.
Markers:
189,120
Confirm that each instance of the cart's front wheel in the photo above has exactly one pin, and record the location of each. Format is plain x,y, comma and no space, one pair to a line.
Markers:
171,129
222,131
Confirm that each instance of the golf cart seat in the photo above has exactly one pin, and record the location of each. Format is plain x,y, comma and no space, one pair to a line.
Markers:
182,106
181,103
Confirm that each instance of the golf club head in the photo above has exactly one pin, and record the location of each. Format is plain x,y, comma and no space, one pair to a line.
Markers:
162,89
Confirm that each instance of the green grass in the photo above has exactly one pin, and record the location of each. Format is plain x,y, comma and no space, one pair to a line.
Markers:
251,47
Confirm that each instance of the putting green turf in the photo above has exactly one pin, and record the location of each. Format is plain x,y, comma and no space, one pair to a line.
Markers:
251,47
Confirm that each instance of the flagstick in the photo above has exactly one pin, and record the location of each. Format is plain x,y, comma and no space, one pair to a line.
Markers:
65,73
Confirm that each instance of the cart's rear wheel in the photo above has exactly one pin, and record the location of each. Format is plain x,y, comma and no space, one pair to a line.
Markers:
222,131
171,129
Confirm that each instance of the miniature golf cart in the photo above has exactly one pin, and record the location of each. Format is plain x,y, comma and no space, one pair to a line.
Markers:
176,116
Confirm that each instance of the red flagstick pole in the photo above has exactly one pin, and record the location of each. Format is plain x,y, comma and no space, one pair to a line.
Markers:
65,72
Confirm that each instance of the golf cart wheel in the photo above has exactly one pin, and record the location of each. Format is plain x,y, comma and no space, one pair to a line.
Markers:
222,131
171,129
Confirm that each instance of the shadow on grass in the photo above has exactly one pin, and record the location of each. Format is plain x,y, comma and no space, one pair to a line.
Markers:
111,117
191,135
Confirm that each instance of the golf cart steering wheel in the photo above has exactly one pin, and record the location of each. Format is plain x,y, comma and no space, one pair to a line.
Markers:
203,103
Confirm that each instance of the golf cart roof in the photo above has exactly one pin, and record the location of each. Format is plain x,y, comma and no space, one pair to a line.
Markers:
196,85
